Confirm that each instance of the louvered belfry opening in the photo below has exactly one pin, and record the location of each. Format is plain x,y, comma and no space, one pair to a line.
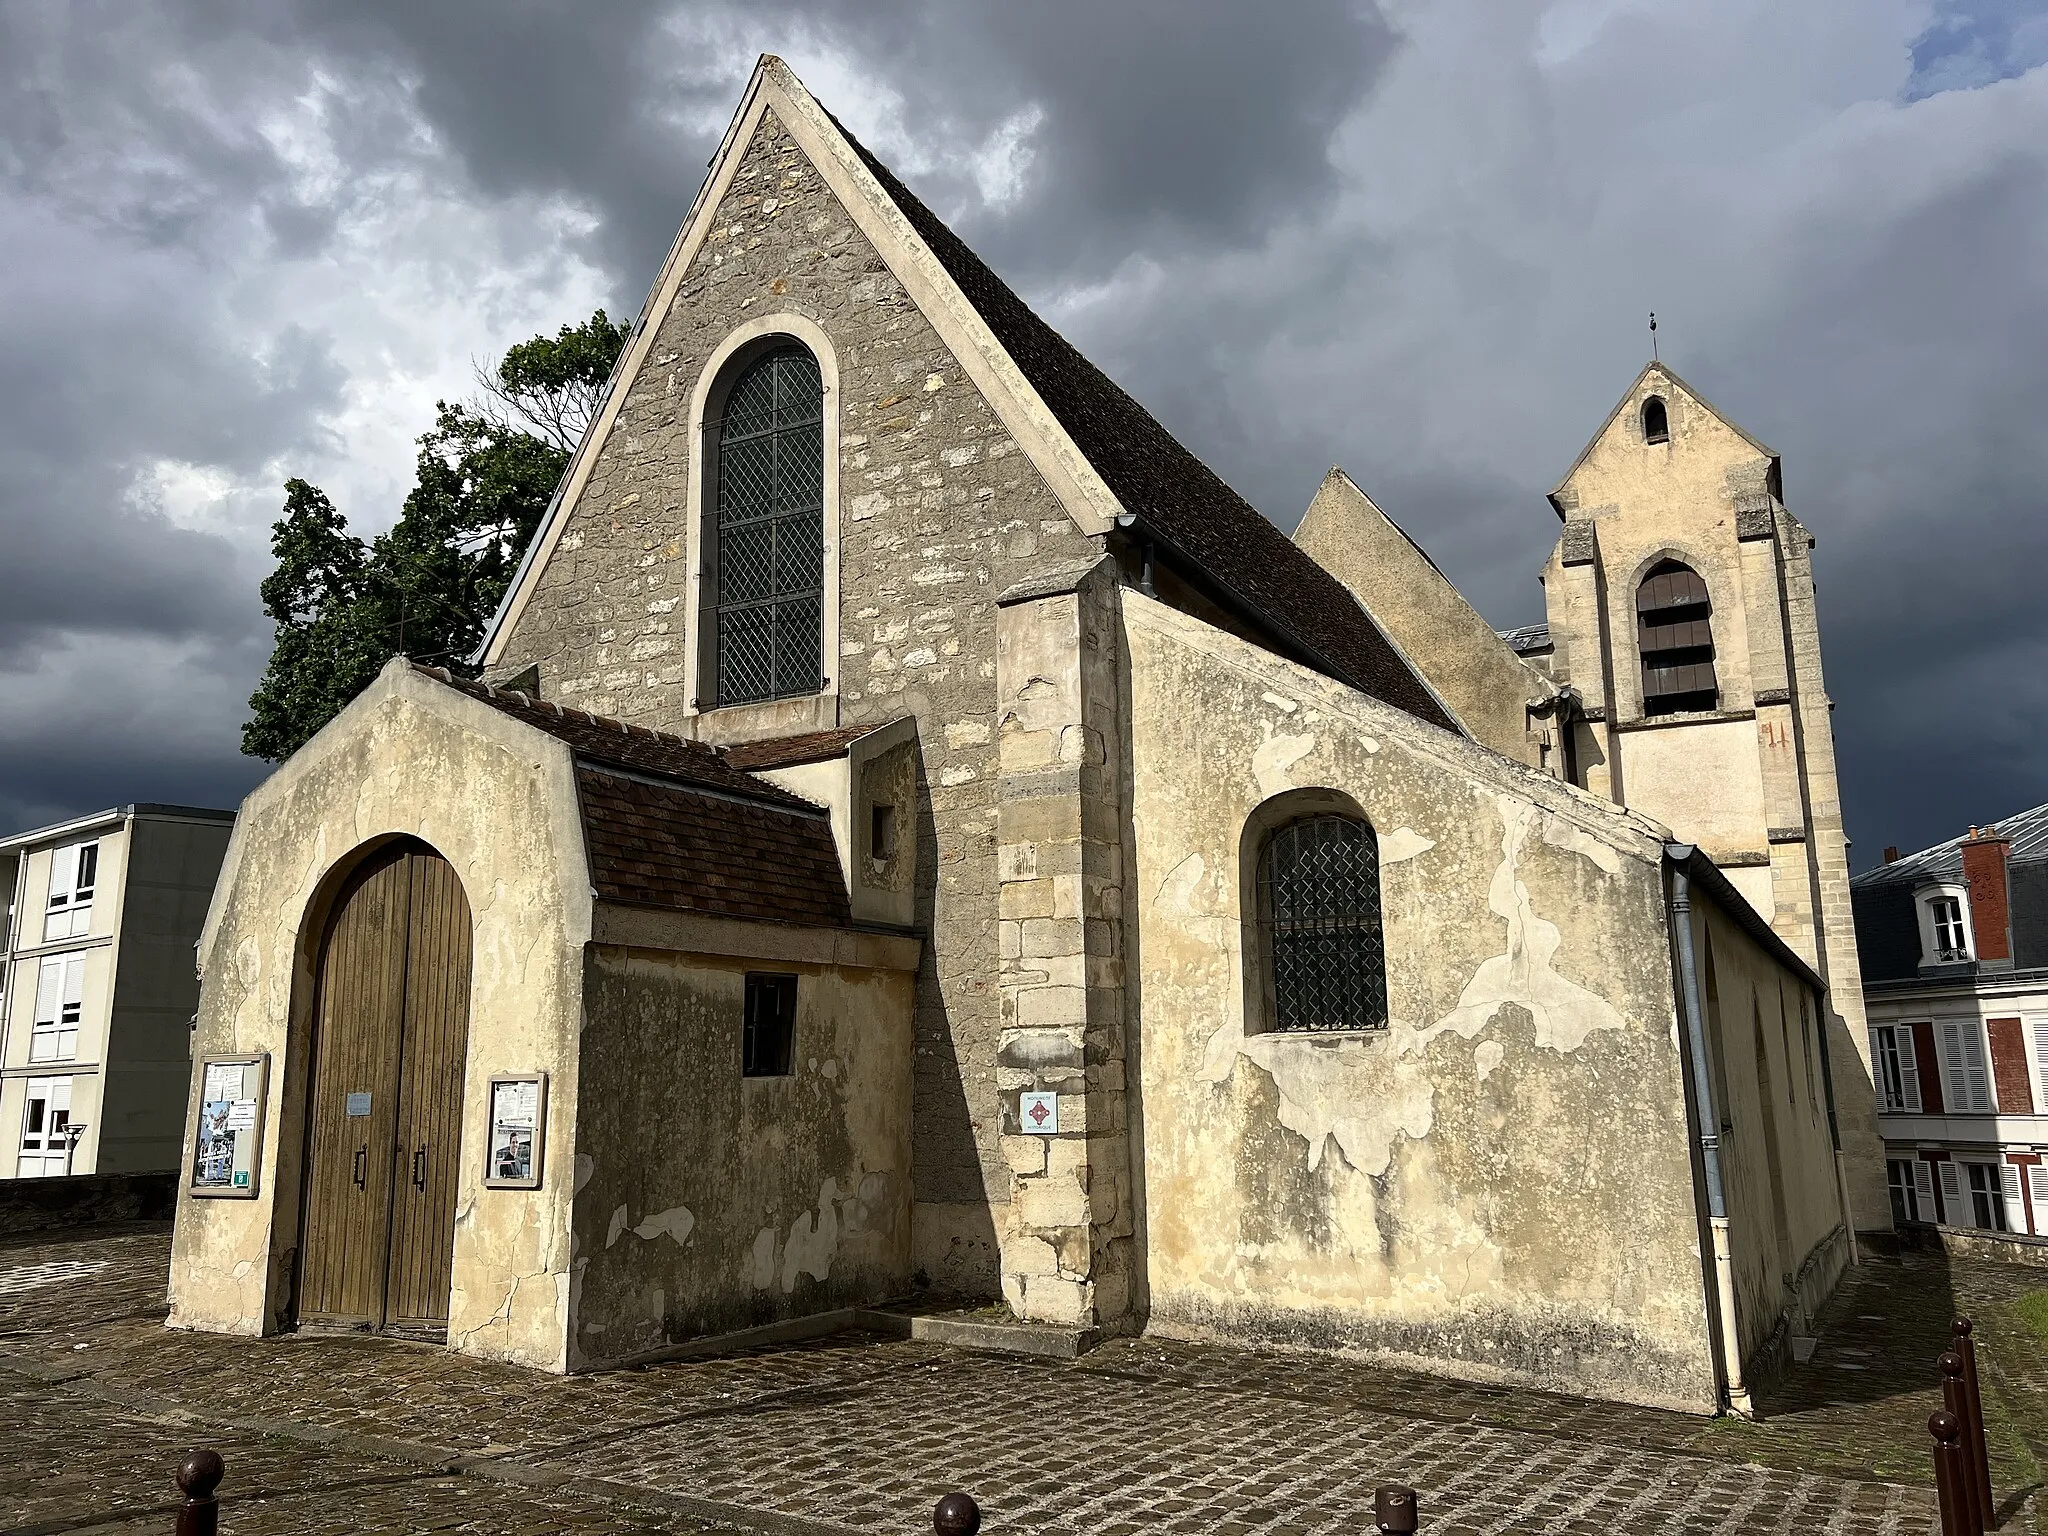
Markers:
771,530
1319,912
1675,634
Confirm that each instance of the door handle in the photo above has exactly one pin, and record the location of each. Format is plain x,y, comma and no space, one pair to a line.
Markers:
419,1169
362,1167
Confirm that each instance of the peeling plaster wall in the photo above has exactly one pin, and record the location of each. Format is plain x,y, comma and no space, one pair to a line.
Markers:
498,801
1498,1185
707,1201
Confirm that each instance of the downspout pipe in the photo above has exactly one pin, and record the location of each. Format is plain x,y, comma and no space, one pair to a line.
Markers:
1721,1280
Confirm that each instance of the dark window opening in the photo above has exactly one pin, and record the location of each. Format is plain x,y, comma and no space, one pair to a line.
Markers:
882,833
1656,423
1675,635
769,531
768,1046
1319,912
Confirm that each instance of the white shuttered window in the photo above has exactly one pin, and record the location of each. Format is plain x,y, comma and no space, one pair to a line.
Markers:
74,873
2037,1191
1898,1070
2015,1203
60,1000
2038,1028
1955,1203
1923,1187
1966,1074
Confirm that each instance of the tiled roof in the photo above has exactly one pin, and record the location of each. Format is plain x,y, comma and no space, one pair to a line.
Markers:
670,822
788,751
667,845
601,739
1176,498
1529,637
2027,830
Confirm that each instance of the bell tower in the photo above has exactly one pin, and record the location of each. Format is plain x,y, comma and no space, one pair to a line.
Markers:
1681,607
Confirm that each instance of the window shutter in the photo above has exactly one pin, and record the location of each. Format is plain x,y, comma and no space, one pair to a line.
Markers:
1955,1202
1923,1188
1909,1068
2037,1188
74,980
2015,1208
1972,1036
1954,1081
49,991
2041,1063
63,875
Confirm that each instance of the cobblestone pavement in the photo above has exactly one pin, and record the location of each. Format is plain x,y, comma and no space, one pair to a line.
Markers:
859,1433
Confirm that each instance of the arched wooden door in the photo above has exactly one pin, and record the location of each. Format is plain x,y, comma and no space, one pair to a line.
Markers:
384,1122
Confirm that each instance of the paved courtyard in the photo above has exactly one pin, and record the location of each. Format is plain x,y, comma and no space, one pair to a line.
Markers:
860,1433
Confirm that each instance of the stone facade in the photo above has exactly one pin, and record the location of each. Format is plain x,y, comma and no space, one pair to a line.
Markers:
1710,496
939,513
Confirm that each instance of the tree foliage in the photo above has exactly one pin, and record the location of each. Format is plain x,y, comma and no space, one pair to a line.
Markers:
429,585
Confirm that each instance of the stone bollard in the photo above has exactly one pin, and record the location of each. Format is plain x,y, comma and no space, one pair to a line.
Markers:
1955,1399
1975,1447
200,1474
1951,1477
1394,1511
958,1515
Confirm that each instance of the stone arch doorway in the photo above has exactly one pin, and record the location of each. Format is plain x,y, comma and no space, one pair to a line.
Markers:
384,1108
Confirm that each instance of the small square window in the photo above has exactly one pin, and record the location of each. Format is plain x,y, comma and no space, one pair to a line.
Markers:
768,1046
881,833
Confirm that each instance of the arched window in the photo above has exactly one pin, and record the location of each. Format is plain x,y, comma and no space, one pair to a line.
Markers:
768,530
1675,634
1319,921
1656,424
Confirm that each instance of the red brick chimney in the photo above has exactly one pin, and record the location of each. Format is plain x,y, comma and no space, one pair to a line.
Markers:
1984,858
1891,853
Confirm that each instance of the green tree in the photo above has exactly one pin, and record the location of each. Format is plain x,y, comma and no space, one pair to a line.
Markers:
429,585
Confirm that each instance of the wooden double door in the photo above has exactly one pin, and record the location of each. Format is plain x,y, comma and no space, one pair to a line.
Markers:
384,1122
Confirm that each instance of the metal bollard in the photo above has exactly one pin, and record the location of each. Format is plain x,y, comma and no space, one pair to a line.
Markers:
1955,1398
1951,1477
958,1515
200,1474
1394,1511
1975,1446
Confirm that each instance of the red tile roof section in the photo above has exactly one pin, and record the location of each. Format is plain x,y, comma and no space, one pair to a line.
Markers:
670,823
788,751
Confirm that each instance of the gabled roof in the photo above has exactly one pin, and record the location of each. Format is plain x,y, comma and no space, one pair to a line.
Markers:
670,823
1102,453
1656,370
2026,830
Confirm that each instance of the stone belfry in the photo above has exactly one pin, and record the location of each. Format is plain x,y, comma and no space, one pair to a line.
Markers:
1681,608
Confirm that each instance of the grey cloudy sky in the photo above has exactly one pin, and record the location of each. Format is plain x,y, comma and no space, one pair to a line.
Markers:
1415,239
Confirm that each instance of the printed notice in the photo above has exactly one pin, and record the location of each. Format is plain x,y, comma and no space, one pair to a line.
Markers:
1039,1113
230,1126
515,1133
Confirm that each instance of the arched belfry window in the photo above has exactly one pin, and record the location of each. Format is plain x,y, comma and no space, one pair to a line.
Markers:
768,530
1325,953
1656,423
1675,634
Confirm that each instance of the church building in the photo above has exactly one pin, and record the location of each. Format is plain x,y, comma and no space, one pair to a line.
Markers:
919,832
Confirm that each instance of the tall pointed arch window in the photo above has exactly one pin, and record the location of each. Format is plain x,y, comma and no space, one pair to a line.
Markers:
1675,634
1324,943
768,530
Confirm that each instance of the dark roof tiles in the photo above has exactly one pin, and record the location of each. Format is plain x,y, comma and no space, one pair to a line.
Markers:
1176,497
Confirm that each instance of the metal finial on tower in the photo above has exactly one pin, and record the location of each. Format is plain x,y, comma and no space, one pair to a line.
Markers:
1653,336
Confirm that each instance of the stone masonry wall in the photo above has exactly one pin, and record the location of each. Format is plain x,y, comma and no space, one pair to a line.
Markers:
940,512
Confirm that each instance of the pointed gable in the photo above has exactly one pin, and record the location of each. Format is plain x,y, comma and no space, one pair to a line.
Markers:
1101,454
1624,421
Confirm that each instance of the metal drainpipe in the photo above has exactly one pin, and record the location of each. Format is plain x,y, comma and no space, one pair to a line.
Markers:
1722,1289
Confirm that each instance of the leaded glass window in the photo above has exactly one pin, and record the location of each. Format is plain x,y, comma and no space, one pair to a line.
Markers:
771,530
1319,909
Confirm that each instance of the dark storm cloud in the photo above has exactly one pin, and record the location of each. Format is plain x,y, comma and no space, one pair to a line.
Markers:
1415,240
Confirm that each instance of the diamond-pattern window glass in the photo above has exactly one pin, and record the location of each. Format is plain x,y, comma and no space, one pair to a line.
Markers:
771,533
1319,907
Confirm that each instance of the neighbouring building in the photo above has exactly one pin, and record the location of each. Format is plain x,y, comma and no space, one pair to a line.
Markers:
1954,941
919,829
97,986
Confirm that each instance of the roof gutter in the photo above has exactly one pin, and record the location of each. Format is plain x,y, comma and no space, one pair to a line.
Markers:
1719,1267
